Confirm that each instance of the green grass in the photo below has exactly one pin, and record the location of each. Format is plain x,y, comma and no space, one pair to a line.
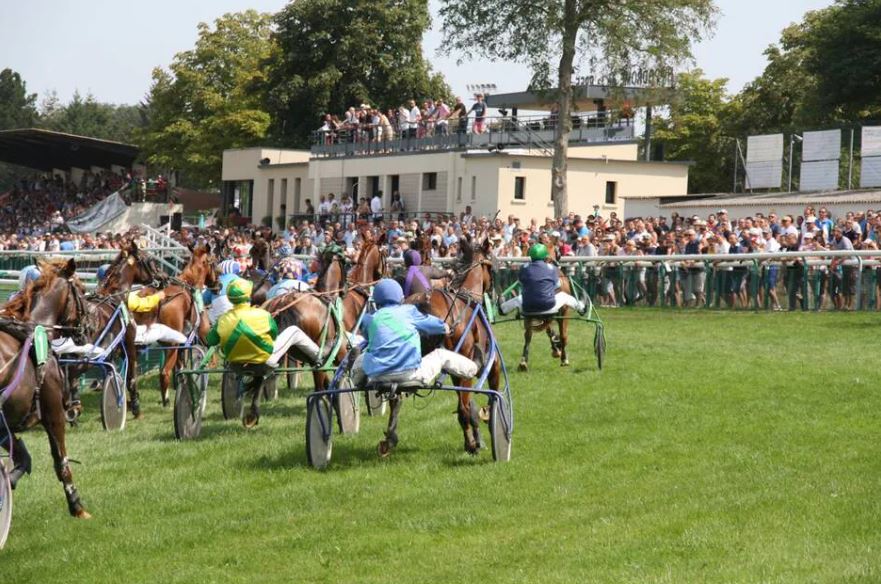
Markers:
715,447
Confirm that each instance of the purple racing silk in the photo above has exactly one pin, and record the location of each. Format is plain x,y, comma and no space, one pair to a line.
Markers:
415,273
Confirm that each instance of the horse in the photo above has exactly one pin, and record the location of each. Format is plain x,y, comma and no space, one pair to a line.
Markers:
332,274
56,301
455,305
370,266
179,307
533,324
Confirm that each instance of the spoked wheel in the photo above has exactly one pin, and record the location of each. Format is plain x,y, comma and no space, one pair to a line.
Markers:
230,401
375,403
348,410
270,387
498,432
319,418
187,411
5,505
201,379
113,406
599,346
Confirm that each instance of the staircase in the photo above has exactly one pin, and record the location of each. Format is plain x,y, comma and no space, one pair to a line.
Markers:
171,255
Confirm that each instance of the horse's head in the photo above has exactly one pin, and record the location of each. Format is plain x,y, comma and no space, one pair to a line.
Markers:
474,270
332,273
201,270
370,265
57,299
131,266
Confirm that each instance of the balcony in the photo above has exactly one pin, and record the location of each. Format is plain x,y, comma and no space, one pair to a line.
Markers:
528,132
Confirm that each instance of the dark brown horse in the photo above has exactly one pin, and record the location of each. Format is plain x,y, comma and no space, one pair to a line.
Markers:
533,324
57,302
455,306
370,266
332,274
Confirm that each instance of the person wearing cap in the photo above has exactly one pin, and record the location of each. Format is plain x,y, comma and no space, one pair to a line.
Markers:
393,351
418,278
246,333
215,300
26,275
539,287
288,275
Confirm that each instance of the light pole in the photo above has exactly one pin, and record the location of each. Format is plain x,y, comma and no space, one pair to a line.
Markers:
792,140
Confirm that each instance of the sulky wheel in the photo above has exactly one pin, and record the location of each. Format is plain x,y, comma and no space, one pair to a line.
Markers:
347,408
319,429
187,413
375,403
113,406
5,505
230,400
599,346
498,432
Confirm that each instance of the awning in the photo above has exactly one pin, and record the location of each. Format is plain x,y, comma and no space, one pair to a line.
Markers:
45,150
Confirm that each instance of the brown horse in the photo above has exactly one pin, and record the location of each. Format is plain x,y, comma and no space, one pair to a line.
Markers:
455,306
57,302
331,275
179,309
370,266
533,324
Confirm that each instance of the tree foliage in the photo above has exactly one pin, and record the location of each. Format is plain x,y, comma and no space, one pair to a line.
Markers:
18,108
333,54
86,116
211,98
559,37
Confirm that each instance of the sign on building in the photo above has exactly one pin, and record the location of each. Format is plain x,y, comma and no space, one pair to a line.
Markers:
820,157
764,161
870,173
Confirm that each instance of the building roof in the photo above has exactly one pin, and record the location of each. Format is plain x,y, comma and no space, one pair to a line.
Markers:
45,150
586,97
724,200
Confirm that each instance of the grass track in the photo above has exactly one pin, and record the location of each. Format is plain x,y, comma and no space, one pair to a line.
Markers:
715,447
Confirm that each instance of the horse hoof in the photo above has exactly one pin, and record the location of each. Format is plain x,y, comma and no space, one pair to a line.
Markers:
523,366
472,447
82,514
484,414
384,449
250,421
564,363
555,354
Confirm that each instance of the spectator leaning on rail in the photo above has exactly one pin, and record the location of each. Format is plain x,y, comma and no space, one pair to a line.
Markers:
539,285
394,347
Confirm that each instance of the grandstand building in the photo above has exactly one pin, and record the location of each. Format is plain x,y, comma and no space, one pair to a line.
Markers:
506,168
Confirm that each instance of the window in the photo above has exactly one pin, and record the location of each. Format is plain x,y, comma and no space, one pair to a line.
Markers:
396,183
473,188
284,192
298,187
519,188
429,181
611,192
459,190
270,200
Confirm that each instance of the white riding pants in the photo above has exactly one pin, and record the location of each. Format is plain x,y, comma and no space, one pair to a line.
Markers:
218,307
561,299
66,346
433,364
158,333
293,336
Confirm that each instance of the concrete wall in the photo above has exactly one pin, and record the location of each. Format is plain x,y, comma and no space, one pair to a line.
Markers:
625,151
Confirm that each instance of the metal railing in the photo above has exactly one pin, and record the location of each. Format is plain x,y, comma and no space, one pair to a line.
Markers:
495,133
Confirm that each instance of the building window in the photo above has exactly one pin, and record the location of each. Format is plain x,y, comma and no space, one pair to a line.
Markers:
473,188
429,181
519,188
270,200
611,192
459,190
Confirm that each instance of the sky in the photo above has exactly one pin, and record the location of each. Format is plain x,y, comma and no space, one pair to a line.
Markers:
109,47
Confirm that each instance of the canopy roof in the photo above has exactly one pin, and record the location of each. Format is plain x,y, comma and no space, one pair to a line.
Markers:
45,150
587,97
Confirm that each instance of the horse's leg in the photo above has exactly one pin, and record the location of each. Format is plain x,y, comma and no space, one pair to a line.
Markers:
555,341
563,326
469,418
52,408
166,373
21,460
131,374
527,338
391,433
250,419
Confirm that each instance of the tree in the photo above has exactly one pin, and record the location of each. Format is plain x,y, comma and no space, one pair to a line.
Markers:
333,54
554,37
211,99
694,130
17,107
86,116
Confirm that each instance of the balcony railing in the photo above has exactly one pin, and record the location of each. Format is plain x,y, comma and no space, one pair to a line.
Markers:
496,132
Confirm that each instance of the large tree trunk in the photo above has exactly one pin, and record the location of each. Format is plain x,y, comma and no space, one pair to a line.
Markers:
559,170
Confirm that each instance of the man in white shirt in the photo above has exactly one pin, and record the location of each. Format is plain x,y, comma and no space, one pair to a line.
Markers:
413,117
442,113
376,206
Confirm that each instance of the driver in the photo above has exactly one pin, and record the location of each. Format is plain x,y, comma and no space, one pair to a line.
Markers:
147,334
290,273
539,287
418,277
217,302
394,347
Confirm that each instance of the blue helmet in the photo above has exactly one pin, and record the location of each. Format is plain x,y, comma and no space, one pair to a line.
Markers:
27,274
101,272
230,267
388,292
284,251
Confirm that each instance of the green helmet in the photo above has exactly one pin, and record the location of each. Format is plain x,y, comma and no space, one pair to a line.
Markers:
538,252
239,291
